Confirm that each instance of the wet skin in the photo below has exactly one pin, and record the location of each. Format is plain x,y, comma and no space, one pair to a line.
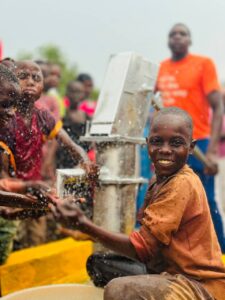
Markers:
31,80
169,145
179,41
8,93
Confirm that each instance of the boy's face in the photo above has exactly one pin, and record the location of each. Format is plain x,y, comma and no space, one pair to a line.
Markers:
54,76
169,144
9,92
31,80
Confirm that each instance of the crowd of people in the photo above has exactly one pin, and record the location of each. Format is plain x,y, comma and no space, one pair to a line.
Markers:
176,252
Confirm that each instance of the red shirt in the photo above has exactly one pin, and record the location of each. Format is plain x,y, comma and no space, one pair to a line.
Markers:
29,141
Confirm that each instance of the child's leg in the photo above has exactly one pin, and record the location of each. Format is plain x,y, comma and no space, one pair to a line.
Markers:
155,287
103,267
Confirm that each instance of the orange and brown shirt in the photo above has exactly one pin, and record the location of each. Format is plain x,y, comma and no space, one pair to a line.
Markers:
177,225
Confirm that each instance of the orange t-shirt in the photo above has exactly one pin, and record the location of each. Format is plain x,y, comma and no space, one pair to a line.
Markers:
178,218
186,84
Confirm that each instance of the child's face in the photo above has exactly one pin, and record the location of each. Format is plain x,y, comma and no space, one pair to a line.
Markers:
31,80
169,144
75,92
54,76
9,92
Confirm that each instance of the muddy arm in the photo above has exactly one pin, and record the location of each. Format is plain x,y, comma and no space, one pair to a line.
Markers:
20,201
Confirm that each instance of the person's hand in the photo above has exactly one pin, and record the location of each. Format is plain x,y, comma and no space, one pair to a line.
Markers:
68,213
92,171
212,168
37,186
43,194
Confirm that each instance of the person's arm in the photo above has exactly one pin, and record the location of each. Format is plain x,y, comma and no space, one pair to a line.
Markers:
216,103
15,185
48,169
20,214
20,201
69,214
76,151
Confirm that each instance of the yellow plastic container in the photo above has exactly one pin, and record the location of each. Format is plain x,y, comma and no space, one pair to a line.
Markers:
223,259
58,292
58,262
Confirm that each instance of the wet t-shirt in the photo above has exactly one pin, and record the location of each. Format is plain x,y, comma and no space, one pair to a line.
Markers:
29,142
26,142
177,230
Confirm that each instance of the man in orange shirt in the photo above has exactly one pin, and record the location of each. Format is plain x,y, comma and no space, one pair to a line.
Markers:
190,82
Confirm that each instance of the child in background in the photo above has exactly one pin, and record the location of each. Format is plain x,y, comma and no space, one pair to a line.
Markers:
73,123
50,103
175,254
52,83
87,105
75,92
46,101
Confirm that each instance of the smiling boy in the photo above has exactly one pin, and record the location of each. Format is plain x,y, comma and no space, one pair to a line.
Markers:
176,243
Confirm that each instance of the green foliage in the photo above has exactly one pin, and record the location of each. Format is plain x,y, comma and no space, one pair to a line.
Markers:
53,54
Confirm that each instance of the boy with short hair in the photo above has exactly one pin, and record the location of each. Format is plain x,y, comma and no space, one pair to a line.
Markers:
177,241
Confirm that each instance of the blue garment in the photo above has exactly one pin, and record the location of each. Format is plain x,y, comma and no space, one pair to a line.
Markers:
209,185
145,172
